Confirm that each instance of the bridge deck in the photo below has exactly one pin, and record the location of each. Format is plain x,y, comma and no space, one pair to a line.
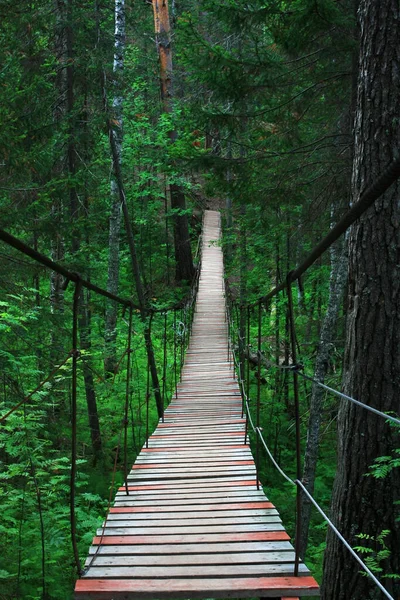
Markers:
194,524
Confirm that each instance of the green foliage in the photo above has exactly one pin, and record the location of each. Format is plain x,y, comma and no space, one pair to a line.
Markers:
375,555
384,465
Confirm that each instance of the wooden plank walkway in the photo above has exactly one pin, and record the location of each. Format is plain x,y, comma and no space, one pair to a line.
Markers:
194,524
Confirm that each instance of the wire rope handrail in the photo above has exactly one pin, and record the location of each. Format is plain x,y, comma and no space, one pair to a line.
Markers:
377,188
70,275
349,398
299,369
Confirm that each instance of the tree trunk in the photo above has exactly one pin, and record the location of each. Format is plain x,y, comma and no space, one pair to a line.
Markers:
228,206
57,241
360,503
110,331
75,215
242,290
183,251
136,273
336,290
85,344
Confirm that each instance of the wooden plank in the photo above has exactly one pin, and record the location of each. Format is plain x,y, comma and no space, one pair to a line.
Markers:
186,464
181,549
199,484
193,588
127,513
176,522
175,494
132,572
250,558
187,529
191,538
191,503
122,506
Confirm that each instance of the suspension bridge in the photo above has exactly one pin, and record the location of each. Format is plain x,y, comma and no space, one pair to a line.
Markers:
192,521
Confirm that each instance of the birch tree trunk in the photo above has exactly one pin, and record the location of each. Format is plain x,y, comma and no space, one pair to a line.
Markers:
361,503
183,251
110,333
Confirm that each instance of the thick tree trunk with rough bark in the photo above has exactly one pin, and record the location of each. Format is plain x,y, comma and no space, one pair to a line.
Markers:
110,332
360,503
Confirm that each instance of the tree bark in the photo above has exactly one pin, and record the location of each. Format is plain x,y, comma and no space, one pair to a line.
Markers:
183,252
110,331
360,503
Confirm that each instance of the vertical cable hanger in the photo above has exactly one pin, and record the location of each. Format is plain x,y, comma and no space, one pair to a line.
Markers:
292,332
258,413
75,356
127,397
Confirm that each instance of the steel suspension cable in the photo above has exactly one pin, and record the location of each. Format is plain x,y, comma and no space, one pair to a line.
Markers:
258,412
248,352
110,497
349,398
343,540
75,355
41,522
51,264
147,402
41,384
292,332
164,375
127,397
175,373
378,187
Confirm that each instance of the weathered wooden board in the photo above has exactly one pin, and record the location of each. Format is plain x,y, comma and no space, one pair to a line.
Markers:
240,558
181,549
187,529
132,572
134,521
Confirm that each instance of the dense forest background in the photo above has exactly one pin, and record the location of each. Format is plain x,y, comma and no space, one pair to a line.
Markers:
120,124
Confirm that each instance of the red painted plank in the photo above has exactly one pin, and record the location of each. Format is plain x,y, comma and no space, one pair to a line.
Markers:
178,448
197,435
171,587
127,540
